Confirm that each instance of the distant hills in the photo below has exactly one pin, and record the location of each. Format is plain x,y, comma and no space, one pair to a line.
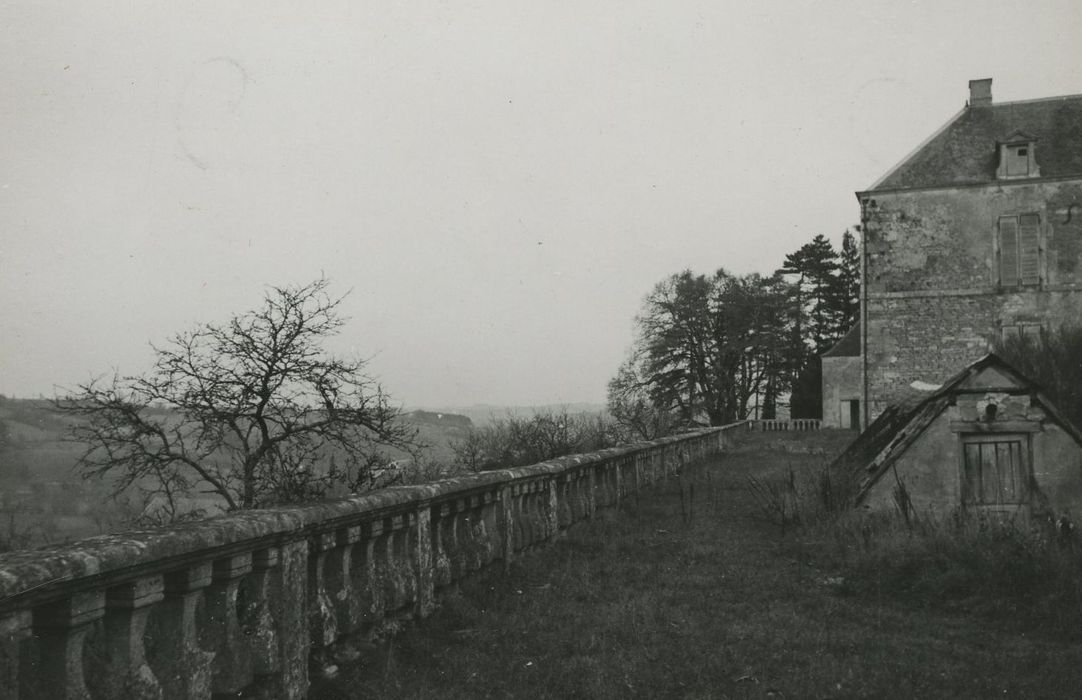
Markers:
35,442
483,413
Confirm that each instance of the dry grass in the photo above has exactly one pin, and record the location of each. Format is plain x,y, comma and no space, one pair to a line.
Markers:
647,604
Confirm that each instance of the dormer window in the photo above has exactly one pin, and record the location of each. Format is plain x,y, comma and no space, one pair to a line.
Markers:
1017,161
1016,157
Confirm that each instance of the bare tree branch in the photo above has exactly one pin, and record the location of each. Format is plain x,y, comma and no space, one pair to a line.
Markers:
253,410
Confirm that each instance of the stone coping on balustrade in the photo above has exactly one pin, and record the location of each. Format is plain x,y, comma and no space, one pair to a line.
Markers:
37,576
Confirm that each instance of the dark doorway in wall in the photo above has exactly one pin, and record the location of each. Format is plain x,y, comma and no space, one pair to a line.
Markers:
854,414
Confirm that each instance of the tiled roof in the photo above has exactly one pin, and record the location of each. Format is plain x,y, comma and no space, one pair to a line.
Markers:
848,346
964,151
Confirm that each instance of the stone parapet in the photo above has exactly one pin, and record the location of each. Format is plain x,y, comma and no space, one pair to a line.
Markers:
238,603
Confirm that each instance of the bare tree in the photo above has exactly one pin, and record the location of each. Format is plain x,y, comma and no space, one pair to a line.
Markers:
253,411
706,348
632,407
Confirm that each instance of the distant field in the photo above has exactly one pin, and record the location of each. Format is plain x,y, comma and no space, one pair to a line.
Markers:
43,499
484,414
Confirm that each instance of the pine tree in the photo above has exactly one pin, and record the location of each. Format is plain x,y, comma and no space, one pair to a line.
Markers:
848,289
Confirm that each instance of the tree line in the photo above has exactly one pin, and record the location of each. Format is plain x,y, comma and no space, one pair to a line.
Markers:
254,412
714,349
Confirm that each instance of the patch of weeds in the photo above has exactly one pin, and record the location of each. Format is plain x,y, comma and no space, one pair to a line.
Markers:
1028,572
799,498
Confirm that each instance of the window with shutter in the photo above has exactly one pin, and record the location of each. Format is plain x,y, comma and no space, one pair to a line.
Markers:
1020,250
1029,250
1008,251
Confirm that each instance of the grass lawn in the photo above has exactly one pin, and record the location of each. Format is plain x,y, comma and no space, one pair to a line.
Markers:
644,603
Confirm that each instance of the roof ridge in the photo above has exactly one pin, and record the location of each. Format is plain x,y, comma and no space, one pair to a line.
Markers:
1038,99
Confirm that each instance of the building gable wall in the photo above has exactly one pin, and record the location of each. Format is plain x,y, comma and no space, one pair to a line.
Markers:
931,468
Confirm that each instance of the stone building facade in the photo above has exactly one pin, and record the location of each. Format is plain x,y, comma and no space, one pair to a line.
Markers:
978,233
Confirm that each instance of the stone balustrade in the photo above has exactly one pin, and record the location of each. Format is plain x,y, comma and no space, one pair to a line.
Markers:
239,603
792,424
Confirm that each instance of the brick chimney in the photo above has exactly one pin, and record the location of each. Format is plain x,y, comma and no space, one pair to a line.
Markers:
980,92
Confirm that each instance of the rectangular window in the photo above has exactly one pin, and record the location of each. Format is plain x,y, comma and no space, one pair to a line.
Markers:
1020,250
1025,329
995,469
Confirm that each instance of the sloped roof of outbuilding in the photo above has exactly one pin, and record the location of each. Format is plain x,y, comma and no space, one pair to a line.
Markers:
848,346
869,457
963,152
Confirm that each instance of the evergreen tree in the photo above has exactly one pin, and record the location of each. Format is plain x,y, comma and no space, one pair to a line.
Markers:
848,287
817,320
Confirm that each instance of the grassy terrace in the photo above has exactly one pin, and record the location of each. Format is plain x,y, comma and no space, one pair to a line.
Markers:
707,601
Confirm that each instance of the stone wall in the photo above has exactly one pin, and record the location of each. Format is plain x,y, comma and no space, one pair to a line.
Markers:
239,603
933,301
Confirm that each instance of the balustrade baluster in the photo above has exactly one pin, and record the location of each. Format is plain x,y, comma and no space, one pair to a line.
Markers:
478,534
182,667
469,529
124,672
322,623
55,668
288,606
393,552
579,501
527,518
550,503
564,518
590,488
258,594
424,544
487,517
582,496
339,580
374,568
518,517
506,525
220,630
441,531
539,505
405,560
459,540
14,631
581,505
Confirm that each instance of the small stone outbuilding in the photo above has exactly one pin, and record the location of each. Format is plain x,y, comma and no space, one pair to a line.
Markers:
988,440
842,386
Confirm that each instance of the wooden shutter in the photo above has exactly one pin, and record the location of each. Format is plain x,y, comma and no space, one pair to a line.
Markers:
1029,248
973,487
1008,251
995,470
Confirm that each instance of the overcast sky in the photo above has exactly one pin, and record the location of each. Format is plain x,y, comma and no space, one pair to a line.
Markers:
498,183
